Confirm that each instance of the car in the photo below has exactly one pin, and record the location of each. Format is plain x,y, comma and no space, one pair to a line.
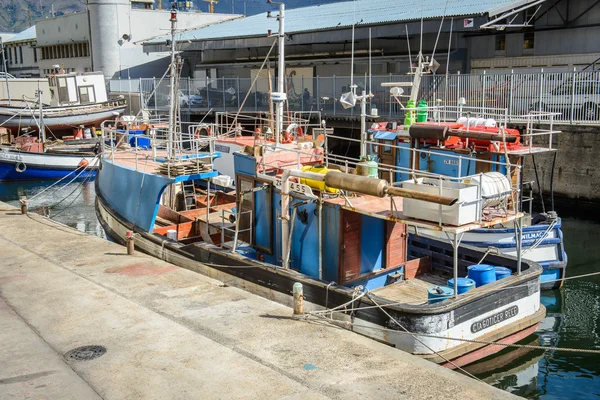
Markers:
583,99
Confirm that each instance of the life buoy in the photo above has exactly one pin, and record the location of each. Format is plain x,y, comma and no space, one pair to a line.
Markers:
299,133
204,128
286,137
20,167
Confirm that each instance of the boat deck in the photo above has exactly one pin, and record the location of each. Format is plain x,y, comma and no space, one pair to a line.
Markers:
411,290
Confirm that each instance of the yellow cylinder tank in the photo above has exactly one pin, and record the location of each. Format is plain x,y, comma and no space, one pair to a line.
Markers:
319,185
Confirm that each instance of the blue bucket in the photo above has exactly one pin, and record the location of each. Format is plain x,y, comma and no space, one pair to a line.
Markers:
482,274
435,297
502,272
463,285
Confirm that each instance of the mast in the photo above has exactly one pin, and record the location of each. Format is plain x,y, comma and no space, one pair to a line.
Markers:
280,73
42,126
5,70
173,89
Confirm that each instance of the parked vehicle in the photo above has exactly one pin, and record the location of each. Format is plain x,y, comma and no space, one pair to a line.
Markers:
583,99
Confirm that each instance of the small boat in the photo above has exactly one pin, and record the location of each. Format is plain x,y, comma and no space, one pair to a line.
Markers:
351,241
19,165
34,158
69,100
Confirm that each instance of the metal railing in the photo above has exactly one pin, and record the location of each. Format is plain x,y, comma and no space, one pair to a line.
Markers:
575,96
143,140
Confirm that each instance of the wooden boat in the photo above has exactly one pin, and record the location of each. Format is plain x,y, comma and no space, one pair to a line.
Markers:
69,100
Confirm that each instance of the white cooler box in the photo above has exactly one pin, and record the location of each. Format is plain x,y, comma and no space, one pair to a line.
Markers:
458,214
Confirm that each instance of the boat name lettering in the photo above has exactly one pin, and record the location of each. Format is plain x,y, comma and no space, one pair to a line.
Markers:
451,162
534,235
11,157
494,319
221,148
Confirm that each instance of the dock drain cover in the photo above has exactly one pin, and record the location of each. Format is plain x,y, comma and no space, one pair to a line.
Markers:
85,353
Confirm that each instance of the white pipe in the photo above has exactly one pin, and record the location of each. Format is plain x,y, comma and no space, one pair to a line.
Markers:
285,207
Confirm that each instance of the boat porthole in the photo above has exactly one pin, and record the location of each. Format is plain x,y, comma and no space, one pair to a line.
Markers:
21,167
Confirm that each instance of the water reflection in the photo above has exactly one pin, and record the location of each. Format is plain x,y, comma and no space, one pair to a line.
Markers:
571,322
72,205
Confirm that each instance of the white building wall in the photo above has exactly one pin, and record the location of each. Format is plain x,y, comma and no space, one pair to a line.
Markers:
21,61
72,29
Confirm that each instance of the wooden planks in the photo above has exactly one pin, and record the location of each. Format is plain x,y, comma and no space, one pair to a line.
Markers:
178,168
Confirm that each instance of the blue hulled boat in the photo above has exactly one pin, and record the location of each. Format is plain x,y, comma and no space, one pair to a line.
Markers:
351,241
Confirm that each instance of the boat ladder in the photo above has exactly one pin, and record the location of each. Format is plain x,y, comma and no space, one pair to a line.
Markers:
189,195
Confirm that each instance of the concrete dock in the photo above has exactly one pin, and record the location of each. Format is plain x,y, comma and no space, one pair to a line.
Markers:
170,333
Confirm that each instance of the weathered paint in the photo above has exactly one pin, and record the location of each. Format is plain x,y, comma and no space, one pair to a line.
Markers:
331,242
263,222
305,240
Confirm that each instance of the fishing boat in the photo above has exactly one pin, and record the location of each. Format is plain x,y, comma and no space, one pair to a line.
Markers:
470,134
351,242
69,101
28,157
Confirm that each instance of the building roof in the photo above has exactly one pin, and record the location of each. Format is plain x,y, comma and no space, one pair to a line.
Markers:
27,34
344,14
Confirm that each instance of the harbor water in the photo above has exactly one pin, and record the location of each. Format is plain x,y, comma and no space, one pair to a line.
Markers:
572,321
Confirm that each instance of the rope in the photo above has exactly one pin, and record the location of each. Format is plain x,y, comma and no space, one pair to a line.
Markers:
332,310
61,179
420,341
251,86
507,345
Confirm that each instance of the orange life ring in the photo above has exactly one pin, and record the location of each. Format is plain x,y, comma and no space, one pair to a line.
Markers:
199,131
286,137
299,132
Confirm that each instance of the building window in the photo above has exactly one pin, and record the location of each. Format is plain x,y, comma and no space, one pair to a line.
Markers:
9,55
500,42
528,40
21,54
35,54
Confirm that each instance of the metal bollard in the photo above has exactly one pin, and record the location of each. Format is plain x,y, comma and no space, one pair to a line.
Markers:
130,243
23,201
298,298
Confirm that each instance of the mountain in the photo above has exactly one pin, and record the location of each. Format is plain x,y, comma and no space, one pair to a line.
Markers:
18,15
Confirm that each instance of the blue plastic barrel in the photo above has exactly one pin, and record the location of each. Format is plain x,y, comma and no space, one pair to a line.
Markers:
502,272
482,274
463,285
439,293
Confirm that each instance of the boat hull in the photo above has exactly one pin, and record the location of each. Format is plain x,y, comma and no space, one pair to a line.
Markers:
62,118
22,166
432,325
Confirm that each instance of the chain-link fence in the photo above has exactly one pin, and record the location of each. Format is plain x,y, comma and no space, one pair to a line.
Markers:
574,95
